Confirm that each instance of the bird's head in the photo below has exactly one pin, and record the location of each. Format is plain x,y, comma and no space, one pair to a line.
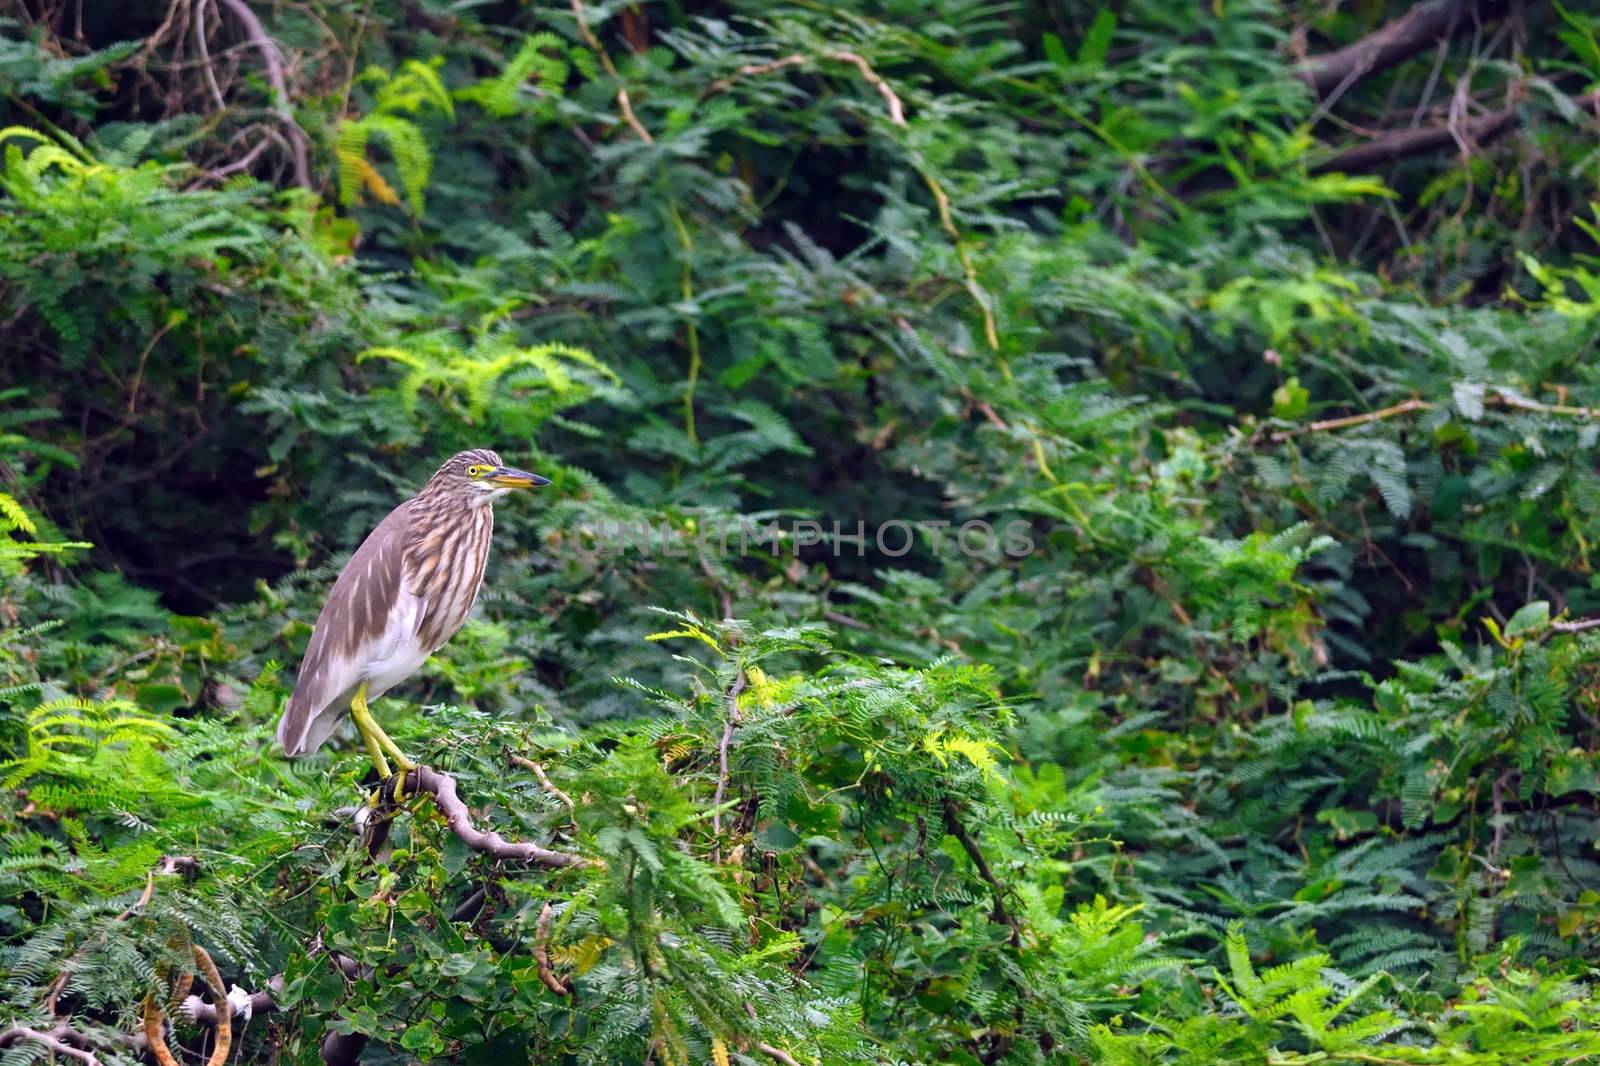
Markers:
479,476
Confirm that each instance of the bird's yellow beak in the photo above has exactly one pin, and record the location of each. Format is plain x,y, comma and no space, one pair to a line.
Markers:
509,477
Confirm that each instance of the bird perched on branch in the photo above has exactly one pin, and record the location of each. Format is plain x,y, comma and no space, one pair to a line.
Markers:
404,592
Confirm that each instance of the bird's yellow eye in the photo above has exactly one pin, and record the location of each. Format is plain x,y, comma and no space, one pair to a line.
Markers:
477,471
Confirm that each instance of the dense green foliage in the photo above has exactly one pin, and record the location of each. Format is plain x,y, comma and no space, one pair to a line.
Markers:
1263,727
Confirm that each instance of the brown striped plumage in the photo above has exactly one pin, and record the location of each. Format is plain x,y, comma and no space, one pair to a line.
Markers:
406,591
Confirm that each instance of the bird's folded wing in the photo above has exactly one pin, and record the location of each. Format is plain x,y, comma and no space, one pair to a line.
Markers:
350,633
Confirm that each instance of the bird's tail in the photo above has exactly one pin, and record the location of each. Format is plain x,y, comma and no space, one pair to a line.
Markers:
294,725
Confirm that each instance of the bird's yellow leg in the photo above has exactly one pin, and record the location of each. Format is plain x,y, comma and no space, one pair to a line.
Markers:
368,729
378,741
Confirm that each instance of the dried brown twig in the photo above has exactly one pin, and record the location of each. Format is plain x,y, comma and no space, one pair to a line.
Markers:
1493,399
544,779
624,104
222,1022
541,953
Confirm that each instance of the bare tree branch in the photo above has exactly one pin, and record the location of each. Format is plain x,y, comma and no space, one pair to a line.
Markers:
441,788
199,1012
776,1053
1395,42
1401,144
55,1039
1581,625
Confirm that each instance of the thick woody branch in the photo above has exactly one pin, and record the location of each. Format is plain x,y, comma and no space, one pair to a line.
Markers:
441,788
1402,144
199,1012
1417,30
342,1049
337,1049
56,1040
1392,147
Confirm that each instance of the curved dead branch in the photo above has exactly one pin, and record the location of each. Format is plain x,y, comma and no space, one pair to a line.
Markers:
441,789
56,1040
273,59
224,1026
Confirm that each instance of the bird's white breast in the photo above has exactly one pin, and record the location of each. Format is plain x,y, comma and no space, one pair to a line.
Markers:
398,653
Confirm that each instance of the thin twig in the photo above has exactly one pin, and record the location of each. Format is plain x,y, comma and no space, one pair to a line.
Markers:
169,864
624,104
753,70
776,1053
953,826
541,953
897,116
1582,625
205,55
897,112
722,763
549,786
144,356
1507,399
154,40
1347,421
242,163
845,620
1498,398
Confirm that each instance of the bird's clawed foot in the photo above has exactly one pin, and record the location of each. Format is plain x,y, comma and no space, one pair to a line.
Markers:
391,787
405,765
